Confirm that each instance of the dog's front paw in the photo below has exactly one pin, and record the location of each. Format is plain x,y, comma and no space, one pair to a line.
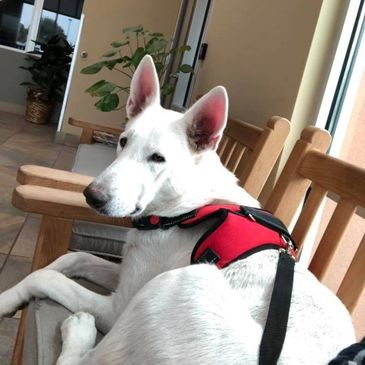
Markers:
10,303
79,332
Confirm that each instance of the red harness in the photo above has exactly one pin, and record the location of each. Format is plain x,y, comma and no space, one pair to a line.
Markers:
235,233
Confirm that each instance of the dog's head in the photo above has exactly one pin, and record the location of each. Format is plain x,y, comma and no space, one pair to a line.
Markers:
159,150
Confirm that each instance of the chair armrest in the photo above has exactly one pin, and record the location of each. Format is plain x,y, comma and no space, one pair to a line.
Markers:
52,178
58,203
88,129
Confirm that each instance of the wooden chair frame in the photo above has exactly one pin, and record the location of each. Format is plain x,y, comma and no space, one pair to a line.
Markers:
323,174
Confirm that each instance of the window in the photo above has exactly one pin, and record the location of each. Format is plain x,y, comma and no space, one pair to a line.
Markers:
22,21
15,20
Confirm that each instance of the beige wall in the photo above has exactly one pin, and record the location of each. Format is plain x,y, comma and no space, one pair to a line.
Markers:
103,24
318,66
258,50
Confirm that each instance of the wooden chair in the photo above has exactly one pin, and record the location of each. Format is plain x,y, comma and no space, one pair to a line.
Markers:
247,150
309,168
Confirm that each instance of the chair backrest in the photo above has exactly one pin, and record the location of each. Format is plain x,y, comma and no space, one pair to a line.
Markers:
308,167
251,152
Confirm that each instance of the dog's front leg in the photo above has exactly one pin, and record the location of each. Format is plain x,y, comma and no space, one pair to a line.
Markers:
51,284
187,316
89,267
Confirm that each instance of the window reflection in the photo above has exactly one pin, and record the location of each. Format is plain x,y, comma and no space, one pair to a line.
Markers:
60,17
15,20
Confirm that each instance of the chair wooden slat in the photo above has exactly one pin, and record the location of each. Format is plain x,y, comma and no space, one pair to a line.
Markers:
241,166
228,151
353,283
222,145
331,238
235,157
308,213
245,133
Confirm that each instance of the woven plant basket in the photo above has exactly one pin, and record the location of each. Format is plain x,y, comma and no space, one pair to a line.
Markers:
38,111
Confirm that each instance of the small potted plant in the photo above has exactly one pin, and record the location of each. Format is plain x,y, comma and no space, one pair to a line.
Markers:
124,57
49,69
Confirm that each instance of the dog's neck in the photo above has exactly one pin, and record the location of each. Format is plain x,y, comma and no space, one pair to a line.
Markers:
208,182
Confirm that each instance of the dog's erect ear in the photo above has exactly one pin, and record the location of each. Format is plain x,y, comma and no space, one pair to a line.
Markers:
207,119
145,87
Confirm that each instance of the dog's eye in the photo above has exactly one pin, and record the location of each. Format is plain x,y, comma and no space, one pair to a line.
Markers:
156,158
123,141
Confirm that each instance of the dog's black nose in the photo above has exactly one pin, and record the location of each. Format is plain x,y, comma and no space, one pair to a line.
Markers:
96,196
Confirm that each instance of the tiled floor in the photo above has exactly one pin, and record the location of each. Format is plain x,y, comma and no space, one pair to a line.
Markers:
21,143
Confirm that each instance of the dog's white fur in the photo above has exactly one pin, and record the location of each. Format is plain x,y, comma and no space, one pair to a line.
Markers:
162,310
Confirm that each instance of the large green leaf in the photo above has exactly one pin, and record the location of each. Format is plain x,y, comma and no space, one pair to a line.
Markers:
186,69
184,48
135,29
108,103
111,63
92,69
137,56
109,54
101,88
155,45
118,44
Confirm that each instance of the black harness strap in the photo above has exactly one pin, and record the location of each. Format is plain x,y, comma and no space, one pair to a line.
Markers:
277,319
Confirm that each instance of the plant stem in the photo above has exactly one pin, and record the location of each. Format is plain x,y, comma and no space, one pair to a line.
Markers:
125,89
124,73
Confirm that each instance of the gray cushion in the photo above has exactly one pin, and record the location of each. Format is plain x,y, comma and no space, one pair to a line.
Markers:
106,240
42,340
92,159
102,239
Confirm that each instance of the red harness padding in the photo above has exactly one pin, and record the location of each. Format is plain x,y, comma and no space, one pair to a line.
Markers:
235,232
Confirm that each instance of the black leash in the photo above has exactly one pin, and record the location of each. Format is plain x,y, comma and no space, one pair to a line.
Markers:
277,319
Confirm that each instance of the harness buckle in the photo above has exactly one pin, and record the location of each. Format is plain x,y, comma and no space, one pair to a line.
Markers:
290,247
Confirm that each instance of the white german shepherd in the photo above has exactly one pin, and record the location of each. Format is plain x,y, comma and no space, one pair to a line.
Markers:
163,310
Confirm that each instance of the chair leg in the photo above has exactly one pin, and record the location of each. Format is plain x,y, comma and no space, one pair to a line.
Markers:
53,241
19,342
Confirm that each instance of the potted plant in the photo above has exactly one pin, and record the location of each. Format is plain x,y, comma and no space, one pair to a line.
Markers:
49,69
124,57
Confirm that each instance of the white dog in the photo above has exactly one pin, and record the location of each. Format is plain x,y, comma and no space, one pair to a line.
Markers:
163,310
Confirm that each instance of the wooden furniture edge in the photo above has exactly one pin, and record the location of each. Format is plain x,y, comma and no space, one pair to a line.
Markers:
58,203
311,138
88,129
279,128
53,178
